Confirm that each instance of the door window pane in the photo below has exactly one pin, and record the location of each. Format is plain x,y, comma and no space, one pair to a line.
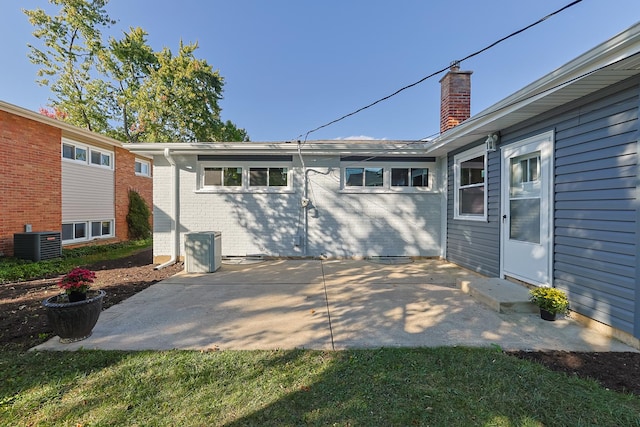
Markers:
525,172
525,220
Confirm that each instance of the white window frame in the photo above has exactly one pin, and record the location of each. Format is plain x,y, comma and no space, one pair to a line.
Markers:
386,186
75,148
102,153
458,159
88,224
89,150
245,187
142,163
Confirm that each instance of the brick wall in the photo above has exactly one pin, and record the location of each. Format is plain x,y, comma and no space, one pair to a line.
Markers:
30,168
455,98
125,180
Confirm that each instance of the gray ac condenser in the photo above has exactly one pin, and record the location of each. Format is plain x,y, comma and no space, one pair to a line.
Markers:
203,251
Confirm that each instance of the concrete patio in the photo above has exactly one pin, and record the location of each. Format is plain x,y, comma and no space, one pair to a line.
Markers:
315,304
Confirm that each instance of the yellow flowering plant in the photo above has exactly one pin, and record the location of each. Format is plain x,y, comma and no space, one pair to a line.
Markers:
549,299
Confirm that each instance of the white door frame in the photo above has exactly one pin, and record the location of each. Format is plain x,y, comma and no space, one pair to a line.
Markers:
548,141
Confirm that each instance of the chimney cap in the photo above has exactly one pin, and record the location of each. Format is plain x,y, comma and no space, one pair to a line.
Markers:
454,65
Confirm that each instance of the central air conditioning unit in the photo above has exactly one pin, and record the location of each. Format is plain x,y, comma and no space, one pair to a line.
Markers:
38,245
203,251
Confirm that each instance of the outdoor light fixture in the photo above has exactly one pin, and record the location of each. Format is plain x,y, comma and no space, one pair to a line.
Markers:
492,141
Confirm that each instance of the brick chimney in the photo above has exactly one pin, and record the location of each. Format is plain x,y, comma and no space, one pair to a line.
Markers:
455,97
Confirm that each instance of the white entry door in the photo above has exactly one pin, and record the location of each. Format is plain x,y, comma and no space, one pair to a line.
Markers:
527,210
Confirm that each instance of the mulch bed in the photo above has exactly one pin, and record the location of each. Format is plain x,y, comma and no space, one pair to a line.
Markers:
23,321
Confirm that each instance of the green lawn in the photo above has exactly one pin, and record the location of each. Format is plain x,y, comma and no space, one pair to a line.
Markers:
389,387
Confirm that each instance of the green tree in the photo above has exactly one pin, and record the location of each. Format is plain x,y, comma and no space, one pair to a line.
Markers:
71,42
123,88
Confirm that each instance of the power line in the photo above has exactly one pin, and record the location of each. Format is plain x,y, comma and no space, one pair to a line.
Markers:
439,71
533,95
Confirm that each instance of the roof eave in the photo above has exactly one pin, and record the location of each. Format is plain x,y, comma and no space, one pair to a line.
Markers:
68,130
391,148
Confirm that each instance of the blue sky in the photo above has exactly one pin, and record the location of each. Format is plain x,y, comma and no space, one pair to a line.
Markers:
290,66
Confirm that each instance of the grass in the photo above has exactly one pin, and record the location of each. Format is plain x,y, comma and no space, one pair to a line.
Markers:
13,269
391,387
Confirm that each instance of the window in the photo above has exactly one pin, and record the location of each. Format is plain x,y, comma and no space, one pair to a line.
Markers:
399,176
86,230
74,152
142,168
222,177
100,228
78,153
409,177
268,177
74,231
249,176
364,177
100,158
470,198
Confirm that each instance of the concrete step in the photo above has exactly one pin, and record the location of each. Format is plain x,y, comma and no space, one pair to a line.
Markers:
500,295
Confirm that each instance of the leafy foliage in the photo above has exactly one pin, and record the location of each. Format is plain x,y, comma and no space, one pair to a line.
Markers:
552,300
122,87
138,217
14,269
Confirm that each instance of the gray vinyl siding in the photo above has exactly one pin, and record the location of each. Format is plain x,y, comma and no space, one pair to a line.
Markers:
596,210
476,244
596,203
87,193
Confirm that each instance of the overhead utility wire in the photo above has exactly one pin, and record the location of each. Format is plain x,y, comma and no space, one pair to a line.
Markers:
533,95
427,139
440,71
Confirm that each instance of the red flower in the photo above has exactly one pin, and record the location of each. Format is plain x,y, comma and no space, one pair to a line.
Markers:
78,280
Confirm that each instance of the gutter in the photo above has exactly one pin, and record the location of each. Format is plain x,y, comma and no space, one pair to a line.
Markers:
174,202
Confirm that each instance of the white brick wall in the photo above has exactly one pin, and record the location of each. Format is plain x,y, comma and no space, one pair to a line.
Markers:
339,225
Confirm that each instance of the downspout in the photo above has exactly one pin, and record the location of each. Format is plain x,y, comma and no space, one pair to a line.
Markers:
174,202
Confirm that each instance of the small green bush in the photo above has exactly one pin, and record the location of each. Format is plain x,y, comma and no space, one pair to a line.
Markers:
552,300
138,217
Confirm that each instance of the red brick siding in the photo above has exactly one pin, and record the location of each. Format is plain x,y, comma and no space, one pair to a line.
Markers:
31,172
126,179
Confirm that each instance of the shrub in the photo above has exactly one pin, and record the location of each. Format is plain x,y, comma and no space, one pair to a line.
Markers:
138,217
